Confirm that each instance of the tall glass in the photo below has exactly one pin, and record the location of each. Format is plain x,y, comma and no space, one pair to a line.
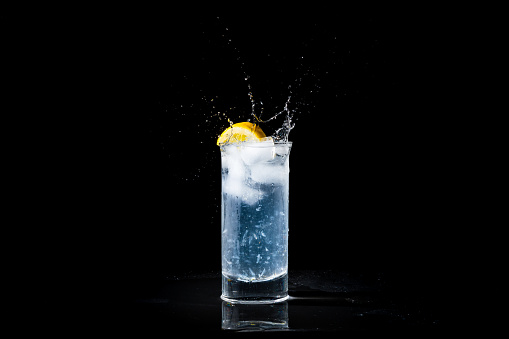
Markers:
254,221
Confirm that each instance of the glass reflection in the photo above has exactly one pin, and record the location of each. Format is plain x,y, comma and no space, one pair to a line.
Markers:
254,316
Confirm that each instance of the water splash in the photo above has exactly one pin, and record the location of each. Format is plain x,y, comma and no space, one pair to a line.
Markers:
257,110
281,134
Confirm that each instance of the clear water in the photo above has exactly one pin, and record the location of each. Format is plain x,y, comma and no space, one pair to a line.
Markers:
255,211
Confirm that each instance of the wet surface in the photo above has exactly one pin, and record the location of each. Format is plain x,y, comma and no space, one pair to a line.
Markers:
323,301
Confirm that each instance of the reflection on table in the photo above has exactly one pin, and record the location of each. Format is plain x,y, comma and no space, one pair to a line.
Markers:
236,316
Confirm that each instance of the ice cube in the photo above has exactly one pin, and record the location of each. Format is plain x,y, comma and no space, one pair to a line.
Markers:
232,187
250,195
240,190
268,173
234,165
235,183
255,152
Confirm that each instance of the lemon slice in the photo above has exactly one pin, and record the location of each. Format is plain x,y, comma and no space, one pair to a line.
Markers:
239,132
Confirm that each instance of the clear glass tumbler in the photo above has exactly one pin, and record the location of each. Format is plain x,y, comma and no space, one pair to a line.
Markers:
254,221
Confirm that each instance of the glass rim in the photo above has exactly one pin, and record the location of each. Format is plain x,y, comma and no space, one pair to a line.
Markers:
257,143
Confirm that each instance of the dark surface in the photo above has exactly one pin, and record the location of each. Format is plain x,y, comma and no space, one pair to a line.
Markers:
320,301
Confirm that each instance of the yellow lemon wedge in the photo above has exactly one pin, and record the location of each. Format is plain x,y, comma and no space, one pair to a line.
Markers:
242,131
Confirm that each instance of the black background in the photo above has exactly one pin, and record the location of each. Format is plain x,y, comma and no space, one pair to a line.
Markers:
369,174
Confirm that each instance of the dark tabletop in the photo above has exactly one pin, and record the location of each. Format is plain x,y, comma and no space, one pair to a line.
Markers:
320,301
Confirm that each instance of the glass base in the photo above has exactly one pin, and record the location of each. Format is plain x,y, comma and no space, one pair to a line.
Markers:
267,291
